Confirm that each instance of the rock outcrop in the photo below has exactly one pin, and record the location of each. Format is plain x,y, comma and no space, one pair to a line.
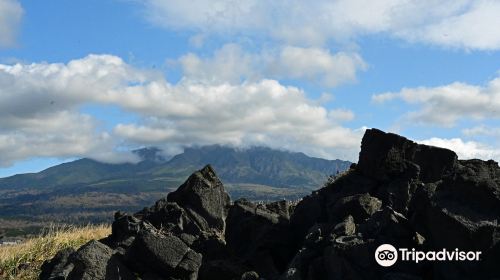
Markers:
399,193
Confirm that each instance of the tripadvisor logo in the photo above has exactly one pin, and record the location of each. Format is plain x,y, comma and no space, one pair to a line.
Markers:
387,255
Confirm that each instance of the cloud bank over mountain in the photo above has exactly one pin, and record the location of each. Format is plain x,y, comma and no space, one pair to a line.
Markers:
40,112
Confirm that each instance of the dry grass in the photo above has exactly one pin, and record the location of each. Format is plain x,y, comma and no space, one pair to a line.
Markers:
23,261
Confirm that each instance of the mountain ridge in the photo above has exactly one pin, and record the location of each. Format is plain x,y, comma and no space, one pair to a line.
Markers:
153,161
86,190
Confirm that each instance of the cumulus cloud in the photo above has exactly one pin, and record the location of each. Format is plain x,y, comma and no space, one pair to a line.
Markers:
62,134
481,130
341,114
40,112
318,64
232,64
39,109
445,105
468,24
251,113
465,149
11,14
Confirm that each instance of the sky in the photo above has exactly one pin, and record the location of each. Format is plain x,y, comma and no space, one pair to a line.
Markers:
99,78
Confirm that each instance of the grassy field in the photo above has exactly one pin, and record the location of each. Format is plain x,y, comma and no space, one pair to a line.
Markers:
23,261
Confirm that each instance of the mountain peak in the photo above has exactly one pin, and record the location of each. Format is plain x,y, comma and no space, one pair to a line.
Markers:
150,154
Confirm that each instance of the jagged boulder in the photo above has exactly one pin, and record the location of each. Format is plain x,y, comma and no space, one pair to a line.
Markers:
311,210
93,260
259,236
204,198
167,255
385,155
345,228
222,269
57,267
462,210
359,206
317,207
171,217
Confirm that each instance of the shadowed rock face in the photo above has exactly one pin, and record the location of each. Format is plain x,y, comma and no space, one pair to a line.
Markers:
385,156
400,193
204,195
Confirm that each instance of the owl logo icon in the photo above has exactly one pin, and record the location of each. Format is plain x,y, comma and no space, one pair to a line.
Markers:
386,255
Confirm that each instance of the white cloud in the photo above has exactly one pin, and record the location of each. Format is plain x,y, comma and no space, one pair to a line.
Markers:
145,134
326,97
318,64
341,115
228,64
469,24
465,149
61,134
197,40
445,105
481,130
473,26
232,64
206,15
39,109
252,113
40,112
11,14
30,89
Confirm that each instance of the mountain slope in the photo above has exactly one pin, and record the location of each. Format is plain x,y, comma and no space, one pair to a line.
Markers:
86,190
260,165
83,171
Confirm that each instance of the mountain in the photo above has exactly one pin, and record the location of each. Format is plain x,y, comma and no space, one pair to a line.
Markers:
261,165
87,190
83,171
257,165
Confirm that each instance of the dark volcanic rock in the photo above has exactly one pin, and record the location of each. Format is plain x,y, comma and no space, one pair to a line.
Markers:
170,216
346,227
165,254
360,207
203,195
226,269
123,230
385,155
260,237
401,193
95,260
56,268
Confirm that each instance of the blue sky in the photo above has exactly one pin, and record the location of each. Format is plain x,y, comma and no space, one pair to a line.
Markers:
98,78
